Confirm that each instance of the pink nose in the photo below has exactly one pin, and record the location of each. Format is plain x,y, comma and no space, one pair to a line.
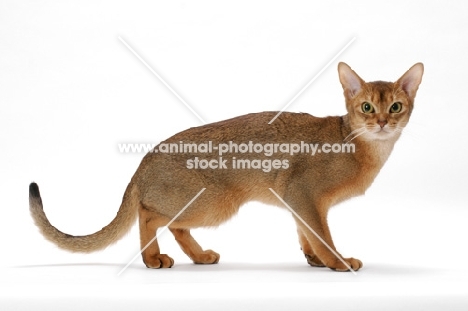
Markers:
382,123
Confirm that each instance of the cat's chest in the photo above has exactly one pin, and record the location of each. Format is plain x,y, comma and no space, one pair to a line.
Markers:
367,164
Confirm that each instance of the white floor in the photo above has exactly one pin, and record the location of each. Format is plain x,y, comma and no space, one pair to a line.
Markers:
232,286
409,264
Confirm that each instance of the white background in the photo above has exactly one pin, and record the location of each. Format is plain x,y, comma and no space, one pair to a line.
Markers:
70,92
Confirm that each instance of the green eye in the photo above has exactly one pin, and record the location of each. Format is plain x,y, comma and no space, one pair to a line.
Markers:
367,108
396,107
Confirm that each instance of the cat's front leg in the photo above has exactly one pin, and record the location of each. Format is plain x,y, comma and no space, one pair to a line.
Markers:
306,248
318,247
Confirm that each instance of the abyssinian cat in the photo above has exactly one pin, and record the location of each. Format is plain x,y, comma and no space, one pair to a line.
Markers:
309,183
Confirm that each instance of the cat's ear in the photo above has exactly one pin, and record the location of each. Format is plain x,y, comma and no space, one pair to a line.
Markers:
410,81
350,81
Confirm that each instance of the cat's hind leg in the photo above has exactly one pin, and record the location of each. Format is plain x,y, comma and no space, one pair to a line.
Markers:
192,248
149,223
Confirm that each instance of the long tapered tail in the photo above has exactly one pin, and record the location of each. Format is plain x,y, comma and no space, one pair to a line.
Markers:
118,227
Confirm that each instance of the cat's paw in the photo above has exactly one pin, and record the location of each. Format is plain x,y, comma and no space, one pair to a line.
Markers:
338,265
314,261
207,257
159,261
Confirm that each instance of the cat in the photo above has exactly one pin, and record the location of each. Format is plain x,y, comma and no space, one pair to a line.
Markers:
165,182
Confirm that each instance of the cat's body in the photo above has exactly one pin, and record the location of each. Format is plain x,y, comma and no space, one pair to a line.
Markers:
310,184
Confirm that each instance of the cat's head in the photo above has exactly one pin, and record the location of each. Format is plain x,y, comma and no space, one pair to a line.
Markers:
379,110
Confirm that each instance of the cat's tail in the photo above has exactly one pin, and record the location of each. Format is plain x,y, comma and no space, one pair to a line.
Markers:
118,227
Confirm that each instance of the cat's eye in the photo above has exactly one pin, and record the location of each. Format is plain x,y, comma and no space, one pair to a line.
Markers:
367,108
396,107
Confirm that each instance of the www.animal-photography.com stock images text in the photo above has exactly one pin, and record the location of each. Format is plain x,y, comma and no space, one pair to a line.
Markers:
248,155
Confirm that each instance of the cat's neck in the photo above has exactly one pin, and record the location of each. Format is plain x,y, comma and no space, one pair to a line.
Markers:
380,149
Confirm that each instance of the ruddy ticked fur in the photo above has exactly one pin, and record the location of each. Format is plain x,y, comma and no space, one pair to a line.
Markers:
163,184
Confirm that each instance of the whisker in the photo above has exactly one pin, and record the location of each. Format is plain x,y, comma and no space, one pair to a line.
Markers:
363,132
355,131
355,134
410,133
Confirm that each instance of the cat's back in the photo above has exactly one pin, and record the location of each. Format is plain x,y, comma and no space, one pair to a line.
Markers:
255,126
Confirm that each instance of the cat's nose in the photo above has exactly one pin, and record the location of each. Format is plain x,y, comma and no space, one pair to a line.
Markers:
382,123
